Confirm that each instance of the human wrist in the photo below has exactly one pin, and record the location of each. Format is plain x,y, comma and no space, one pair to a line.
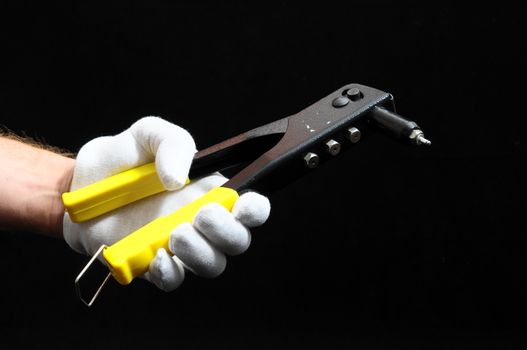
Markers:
34,179
59,182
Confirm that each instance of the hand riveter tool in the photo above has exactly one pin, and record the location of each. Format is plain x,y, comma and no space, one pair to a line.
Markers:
262,159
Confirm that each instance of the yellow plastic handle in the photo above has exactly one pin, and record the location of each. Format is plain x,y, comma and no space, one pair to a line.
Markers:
112,193
131,256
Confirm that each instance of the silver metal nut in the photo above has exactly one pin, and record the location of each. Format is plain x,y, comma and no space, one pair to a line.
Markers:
332,147
353,134
311,160
414,134
418,138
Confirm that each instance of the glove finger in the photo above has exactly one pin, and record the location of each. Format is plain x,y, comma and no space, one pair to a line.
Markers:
196,252
172,146
252,209
165,272
220,227
196,189
106,156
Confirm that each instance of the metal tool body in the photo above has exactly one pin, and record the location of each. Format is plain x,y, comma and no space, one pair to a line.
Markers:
263,159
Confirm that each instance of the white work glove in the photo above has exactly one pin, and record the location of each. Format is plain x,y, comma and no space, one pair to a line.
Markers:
199,247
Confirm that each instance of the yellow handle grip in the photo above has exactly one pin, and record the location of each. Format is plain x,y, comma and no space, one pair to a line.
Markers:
131,256
112,193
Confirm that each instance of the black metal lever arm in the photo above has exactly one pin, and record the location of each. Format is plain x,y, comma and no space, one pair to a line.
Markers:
321,131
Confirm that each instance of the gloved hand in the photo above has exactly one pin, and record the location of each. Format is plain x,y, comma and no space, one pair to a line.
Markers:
199,247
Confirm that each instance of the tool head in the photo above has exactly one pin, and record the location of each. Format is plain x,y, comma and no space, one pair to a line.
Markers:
276,152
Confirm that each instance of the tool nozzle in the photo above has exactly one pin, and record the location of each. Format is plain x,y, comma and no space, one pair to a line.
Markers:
399,126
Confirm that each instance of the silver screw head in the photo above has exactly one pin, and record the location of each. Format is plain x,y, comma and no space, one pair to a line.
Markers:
354,94
353,135
311,160
332,147
340,101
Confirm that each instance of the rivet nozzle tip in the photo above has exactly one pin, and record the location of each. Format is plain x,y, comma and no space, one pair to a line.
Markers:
421,140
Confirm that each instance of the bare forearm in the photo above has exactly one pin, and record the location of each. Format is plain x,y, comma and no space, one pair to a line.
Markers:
31,183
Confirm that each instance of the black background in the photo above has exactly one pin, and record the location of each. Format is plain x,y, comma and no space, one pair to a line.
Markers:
388,246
